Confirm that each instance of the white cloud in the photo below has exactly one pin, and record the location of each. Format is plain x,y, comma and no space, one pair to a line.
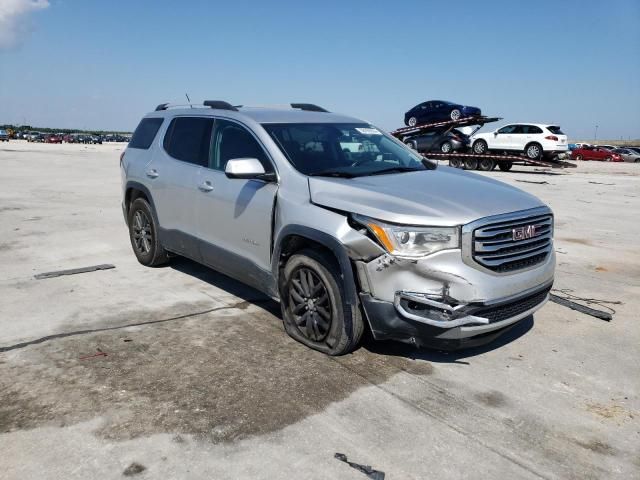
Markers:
14,20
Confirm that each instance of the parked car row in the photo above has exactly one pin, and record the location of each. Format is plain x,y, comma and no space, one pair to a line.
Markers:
606,153
60,137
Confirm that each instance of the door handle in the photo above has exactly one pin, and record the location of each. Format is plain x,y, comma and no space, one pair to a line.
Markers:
205,187
153,173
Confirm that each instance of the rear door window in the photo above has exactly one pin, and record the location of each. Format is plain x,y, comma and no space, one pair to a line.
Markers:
188,138
532,129
145,133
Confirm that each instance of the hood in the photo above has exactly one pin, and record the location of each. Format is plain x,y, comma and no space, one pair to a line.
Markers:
442,197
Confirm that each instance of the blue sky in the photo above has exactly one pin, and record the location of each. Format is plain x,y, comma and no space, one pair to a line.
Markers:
102,65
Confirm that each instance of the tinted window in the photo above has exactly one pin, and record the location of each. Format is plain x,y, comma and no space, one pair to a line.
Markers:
234,141
507,129
145,133
555,129
188,138
532,129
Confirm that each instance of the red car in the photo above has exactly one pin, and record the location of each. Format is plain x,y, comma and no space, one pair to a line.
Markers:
602,154
53,139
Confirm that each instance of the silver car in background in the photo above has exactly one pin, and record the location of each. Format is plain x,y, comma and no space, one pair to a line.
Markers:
347,227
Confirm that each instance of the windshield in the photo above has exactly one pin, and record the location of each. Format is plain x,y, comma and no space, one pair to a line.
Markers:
346,150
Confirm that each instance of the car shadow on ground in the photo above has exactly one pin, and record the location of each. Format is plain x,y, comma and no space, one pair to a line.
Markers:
228,284
435,355
386,348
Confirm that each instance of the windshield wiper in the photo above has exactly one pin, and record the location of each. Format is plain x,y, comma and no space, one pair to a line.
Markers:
395,169
332,173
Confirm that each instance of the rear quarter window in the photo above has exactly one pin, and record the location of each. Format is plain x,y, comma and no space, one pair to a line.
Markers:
145,133
555,130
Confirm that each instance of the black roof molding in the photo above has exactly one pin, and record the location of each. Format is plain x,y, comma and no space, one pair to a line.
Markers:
219,105
309,107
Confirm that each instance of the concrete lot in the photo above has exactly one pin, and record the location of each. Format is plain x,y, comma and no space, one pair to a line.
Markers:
200,381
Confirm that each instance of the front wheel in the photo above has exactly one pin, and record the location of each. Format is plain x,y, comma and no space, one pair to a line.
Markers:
412,122
143,233
608,159
411,144
315,310
455,114
578,157
480,147
446,147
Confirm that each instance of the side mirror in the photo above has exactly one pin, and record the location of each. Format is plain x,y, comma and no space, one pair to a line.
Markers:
247,169
495,134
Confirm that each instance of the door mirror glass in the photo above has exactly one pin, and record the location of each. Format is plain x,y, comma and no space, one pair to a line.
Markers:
246,168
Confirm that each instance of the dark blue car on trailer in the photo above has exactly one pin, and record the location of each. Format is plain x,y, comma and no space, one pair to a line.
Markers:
438,111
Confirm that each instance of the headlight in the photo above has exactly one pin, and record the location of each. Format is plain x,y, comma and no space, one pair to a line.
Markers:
407,241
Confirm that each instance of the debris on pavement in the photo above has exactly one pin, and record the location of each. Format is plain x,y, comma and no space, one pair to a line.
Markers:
74,271
567,299
601,183
366,469
543,182
100,353
134,469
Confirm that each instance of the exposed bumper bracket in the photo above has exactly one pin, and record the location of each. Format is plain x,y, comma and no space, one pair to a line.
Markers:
437,314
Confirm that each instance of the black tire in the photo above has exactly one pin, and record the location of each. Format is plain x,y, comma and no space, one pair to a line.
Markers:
336,327
411,144
486,164
608,159
412,122
470,163
455,163
504,166
480,147
446,147
455,114
578,157
533,151
143,233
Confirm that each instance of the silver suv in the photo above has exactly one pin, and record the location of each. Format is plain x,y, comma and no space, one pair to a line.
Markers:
347,227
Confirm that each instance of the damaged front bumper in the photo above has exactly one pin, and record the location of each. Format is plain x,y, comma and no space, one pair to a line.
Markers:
440,301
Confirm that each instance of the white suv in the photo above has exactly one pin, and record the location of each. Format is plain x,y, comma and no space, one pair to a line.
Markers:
534,139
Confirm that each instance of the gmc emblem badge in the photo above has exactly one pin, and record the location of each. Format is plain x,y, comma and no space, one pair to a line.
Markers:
522,233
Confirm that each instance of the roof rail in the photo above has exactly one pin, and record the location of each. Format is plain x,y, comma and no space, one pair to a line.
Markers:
309,107
219,105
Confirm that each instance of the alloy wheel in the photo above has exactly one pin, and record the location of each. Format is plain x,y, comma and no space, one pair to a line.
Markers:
142,232
533,151
310,304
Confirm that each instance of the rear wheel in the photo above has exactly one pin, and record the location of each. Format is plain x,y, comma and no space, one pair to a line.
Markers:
411,144
143,233
486,164
314,306
533,151
480,147
470,163
446,147
412,122
455,114
504,166
455,163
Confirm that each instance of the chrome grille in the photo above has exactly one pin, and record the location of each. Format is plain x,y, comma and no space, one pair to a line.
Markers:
493,245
